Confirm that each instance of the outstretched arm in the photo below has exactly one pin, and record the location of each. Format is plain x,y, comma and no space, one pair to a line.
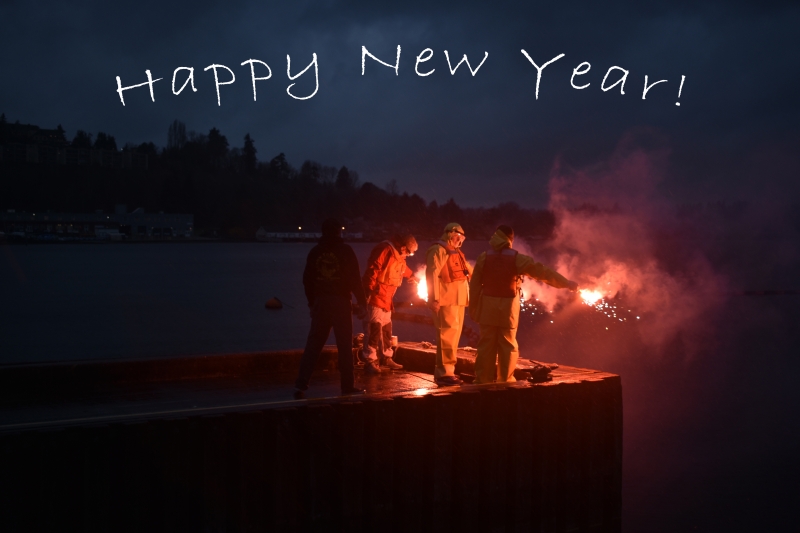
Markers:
526,265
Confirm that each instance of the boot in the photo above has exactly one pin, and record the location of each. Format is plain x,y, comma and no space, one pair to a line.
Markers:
371,367
389,362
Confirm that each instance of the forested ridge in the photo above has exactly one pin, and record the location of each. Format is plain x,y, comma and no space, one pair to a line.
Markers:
229,190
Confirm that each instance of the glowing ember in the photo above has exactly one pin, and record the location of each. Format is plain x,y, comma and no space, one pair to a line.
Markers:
535,304
590,297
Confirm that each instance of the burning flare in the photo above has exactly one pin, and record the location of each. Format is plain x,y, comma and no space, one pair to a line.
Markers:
590,297
422,285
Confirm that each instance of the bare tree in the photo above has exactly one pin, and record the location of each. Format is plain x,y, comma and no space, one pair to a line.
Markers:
176,137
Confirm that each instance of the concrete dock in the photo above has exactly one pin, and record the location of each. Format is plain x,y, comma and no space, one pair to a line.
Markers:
218,443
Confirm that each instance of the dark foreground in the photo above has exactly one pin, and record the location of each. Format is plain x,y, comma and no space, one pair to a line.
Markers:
219,443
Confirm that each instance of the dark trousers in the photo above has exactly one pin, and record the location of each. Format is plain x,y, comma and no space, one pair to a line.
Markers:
329,312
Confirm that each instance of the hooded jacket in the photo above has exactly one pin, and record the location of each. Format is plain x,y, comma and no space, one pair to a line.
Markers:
332,269
504,311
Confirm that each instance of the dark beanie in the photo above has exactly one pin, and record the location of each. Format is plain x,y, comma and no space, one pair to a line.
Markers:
507,230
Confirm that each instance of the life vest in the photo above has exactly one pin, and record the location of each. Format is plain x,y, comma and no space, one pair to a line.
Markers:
392,273
500,273
456,266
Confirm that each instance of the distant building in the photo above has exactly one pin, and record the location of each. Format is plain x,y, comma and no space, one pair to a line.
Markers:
286,236
298,236
136,225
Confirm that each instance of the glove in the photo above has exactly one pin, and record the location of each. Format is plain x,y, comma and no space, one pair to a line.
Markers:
361,312
434,306
573,286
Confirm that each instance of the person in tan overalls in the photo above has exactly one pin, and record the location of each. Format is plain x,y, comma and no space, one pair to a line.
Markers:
447,276
494,303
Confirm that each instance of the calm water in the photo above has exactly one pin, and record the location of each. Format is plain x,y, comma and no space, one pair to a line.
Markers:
711,438
66,302
73,302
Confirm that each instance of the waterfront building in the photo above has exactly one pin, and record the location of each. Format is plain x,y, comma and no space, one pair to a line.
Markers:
136,225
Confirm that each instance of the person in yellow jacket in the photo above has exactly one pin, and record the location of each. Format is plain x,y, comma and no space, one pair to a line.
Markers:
447,276
494,292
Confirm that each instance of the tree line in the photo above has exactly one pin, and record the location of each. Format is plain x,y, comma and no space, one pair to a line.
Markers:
232,193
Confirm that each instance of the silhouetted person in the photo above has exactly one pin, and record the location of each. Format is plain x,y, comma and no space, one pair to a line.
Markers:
330,278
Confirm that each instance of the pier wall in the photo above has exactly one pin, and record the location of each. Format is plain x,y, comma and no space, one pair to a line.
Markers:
543,457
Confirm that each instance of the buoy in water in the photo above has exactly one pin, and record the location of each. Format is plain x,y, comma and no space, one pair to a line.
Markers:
273,303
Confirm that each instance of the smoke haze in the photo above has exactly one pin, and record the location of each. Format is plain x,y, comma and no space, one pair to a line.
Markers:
612,221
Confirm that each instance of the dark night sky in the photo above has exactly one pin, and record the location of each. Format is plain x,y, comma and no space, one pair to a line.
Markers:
481,139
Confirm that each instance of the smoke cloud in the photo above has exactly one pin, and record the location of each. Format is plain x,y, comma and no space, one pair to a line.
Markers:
614,235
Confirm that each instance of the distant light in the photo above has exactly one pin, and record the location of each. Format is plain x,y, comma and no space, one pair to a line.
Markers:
299,227
342,227
421,392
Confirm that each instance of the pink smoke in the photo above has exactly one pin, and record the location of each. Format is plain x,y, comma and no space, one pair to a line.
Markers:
609,237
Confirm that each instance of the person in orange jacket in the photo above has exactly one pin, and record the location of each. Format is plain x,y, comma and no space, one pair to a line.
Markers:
386,269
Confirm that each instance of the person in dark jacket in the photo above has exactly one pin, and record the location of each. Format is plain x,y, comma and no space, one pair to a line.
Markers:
330,278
